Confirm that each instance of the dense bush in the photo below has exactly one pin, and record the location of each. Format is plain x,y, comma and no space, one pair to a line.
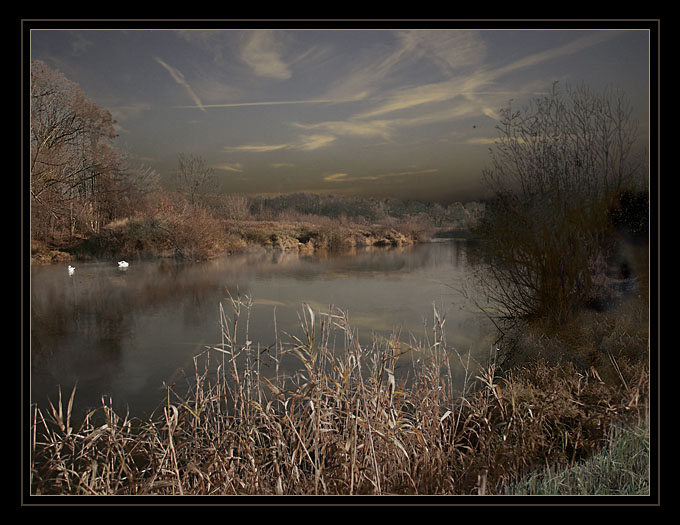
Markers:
558,167
629,214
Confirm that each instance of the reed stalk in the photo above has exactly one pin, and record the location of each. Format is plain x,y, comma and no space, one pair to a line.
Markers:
352,419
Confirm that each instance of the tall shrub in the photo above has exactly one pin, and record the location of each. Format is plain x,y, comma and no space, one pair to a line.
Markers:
556,167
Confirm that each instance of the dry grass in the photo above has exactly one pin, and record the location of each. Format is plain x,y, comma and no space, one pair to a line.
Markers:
345,423
166,224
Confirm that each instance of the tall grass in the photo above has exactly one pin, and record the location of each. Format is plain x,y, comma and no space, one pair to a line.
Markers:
621,468
352,419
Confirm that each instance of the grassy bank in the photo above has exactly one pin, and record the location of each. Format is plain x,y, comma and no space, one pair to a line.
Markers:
345,423
196,233
621,468
166,225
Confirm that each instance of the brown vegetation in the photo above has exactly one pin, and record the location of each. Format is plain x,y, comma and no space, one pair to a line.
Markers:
167,224
560,170
347,423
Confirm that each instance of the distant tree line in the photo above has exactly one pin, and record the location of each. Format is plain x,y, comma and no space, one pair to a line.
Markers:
369,208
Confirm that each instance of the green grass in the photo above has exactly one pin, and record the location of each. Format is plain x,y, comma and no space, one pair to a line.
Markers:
621,468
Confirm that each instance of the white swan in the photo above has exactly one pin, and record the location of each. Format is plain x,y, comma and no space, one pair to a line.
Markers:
123,264
71,269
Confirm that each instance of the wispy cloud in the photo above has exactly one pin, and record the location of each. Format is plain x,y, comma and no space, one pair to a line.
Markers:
386,129
179,78
468,91
312,142
351,128
303,143
256,148
381,68
127,112
337,177
468,88
450,50
575,46
480,141
369,71
262,54
345,177
274,103
229,166
474,83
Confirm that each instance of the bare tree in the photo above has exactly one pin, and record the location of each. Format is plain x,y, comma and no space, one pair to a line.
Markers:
73,161
195,178
236,206
557,168
581,144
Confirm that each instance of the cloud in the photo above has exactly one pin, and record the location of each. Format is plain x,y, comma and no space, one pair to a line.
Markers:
229,166
179,78
256,148
262,54
129,111
575,46
481,141
370,70
337,177
272,103
463,88
303,143
345,177
449,50
312,142
121,114
351,128
468,90
472,84
410,97
387,128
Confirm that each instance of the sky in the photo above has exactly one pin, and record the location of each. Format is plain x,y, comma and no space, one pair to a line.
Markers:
401,113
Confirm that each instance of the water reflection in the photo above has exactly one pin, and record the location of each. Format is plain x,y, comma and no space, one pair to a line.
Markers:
124,332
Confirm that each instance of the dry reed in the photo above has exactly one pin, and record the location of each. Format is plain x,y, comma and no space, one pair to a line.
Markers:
346,422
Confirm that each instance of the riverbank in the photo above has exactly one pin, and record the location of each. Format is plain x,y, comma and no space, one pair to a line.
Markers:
208,238
165,224
344,424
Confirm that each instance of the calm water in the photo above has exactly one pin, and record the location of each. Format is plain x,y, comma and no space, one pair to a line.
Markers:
123,333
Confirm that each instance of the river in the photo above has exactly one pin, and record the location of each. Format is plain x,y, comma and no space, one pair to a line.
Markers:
124,332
